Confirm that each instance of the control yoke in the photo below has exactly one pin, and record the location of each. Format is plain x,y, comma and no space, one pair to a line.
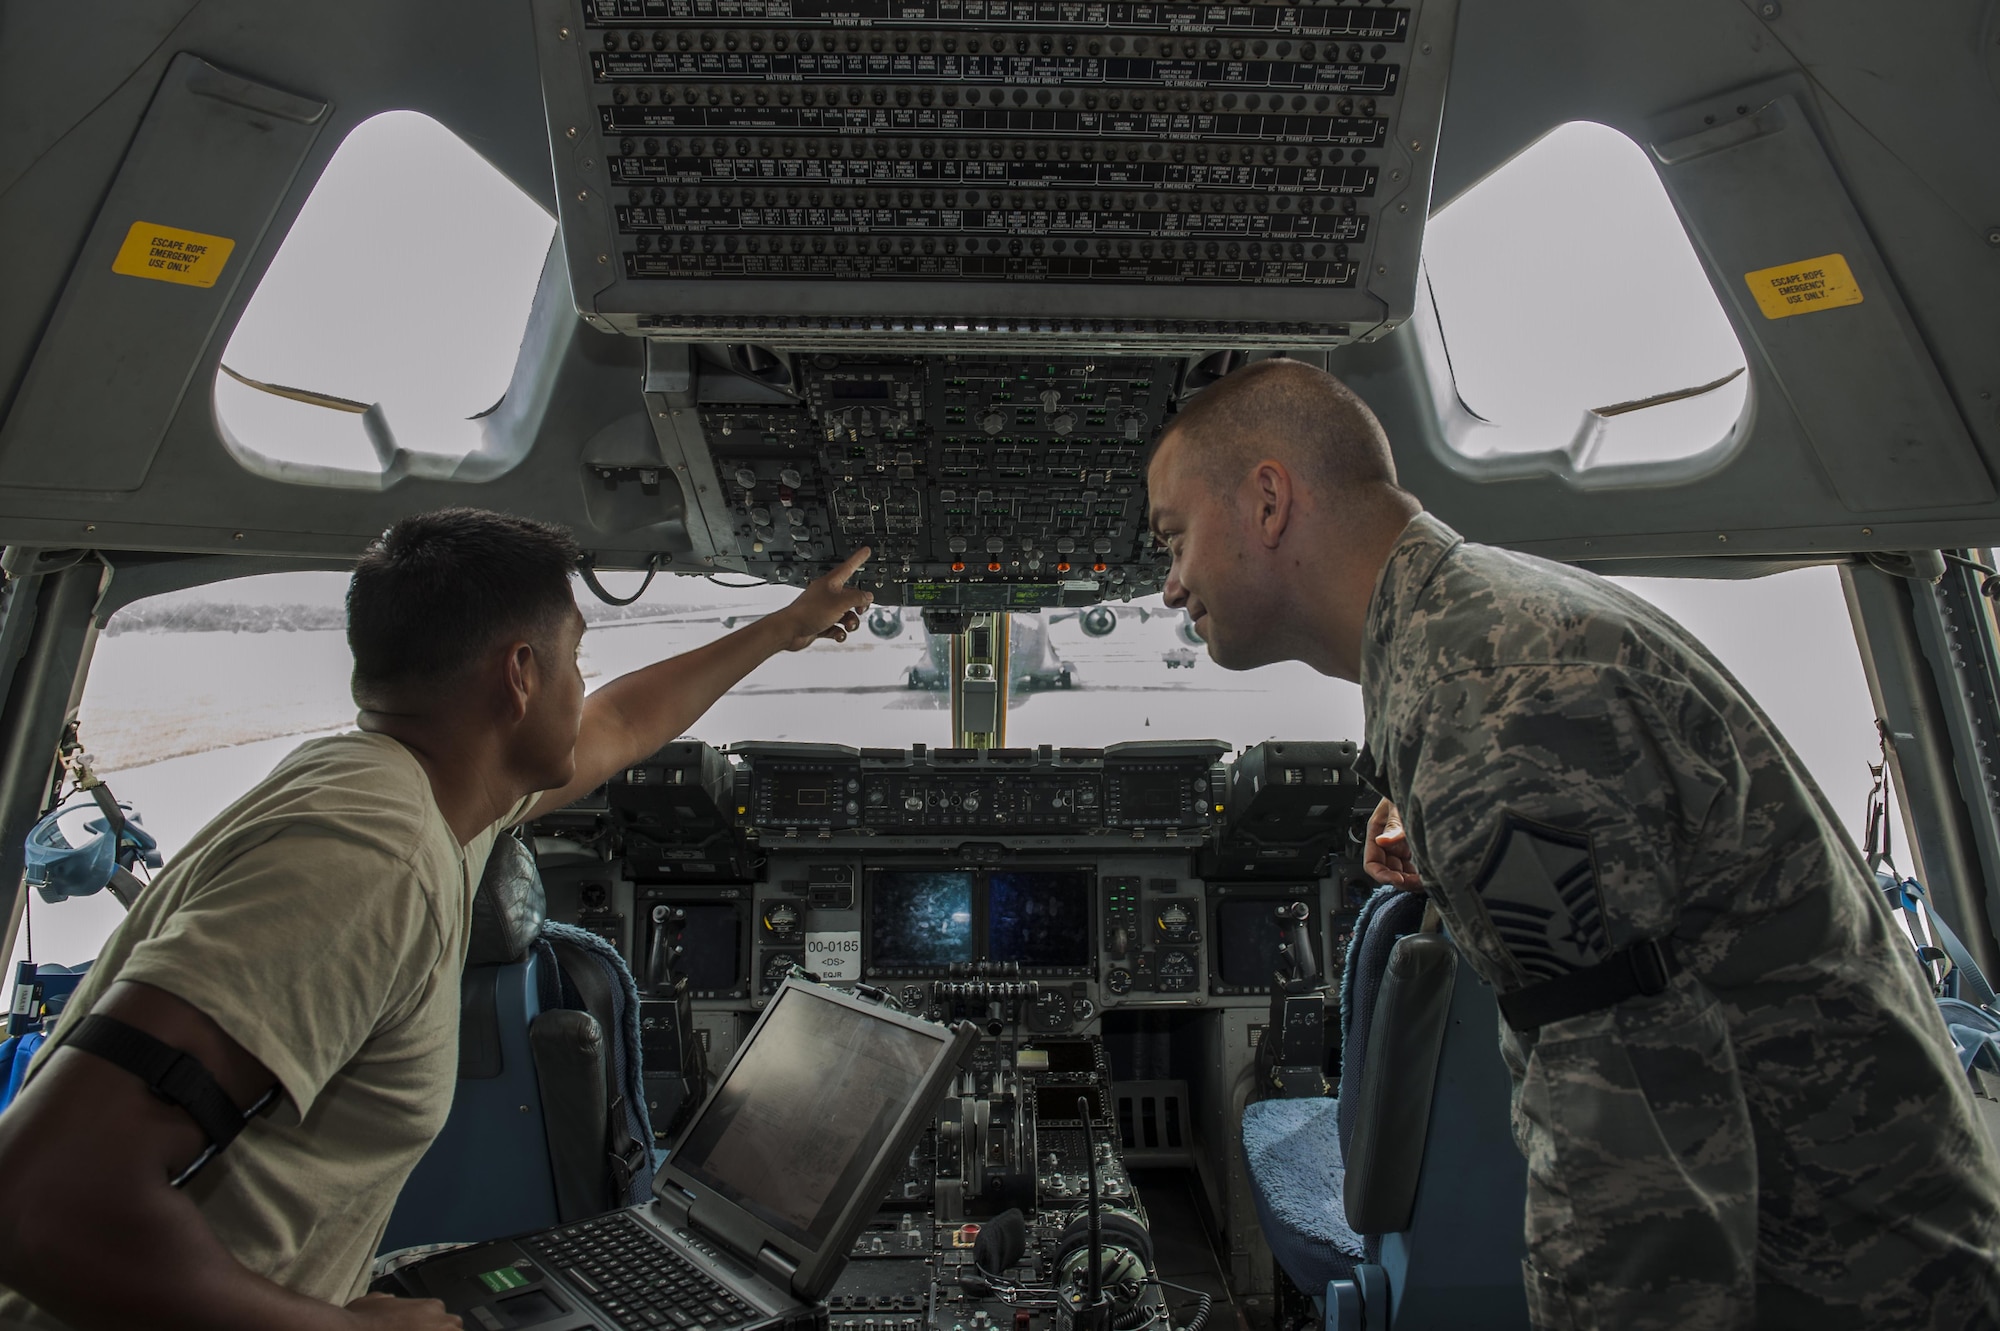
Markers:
1298,969
664,972
1292,1055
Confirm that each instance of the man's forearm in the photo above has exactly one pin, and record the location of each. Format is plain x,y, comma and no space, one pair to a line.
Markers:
635,714
662,700
158,1267
642,711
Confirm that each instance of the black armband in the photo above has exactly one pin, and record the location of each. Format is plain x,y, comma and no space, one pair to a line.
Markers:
169,1073
1642,970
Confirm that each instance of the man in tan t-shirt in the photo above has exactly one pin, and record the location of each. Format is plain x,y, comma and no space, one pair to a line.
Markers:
310,939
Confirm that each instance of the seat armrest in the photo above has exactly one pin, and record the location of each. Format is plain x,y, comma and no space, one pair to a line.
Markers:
1394,1098
569,1069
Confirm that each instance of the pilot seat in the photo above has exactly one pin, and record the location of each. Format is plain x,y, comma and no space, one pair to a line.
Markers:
547,1124
1402,1199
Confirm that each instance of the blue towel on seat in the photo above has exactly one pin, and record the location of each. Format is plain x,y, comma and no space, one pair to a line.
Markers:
1298,1178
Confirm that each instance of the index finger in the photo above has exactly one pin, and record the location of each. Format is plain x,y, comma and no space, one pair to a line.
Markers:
849,566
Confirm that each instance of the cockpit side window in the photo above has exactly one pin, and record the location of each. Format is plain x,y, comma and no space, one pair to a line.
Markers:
1568,325
190,698
391,317
1789,641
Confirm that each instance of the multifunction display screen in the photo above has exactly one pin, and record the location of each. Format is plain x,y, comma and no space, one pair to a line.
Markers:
920,918
923,921
1039,917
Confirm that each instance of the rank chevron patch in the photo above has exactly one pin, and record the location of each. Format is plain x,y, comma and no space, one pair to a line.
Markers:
1540,890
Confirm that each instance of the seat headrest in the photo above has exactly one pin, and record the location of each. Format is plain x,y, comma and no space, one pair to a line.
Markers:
509,908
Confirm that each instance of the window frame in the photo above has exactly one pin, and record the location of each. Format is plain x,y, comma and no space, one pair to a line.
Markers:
1459,427
502,435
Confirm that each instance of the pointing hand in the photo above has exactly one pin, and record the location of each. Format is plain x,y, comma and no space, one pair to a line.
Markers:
828,607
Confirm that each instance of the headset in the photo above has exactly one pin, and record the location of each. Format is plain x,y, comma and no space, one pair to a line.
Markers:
1100,1271
1125,1255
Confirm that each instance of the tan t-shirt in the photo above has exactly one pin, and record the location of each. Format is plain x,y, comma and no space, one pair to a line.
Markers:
321,921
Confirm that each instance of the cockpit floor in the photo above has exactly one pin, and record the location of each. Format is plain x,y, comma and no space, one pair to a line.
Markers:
1188,1250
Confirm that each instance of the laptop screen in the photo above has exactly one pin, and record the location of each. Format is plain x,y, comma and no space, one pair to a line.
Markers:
806,1110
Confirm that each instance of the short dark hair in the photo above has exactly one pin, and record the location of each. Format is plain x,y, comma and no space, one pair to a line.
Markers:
438,589
1295,411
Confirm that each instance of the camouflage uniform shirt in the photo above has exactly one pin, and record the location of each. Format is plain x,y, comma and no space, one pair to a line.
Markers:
1783,1137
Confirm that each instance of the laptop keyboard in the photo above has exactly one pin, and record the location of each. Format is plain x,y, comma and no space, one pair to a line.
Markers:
631,1274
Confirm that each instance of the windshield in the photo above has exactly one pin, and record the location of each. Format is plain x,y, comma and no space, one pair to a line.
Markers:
194,696
1081,678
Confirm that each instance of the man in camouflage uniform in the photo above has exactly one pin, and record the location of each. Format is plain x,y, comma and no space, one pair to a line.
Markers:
1738,1103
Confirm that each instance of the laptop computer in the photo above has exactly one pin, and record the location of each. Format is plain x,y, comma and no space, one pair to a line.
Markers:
758,1203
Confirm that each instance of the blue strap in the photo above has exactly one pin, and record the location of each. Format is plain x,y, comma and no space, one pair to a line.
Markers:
1972,982
1975,1047
25,1048
9,1051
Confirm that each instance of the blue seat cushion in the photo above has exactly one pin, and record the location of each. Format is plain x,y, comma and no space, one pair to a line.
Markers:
1296,1175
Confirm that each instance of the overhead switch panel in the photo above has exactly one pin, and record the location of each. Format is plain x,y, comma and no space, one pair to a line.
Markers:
990,482
861,172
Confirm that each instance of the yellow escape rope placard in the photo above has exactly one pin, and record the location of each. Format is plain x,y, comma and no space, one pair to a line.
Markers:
169,254
1825,283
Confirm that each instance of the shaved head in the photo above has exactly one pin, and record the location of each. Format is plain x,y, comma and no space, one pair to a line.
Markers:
1275,494
1295,413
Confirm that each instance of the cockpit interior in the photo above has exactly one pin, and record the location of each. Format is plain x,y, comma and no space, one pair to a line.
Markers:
1698,293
